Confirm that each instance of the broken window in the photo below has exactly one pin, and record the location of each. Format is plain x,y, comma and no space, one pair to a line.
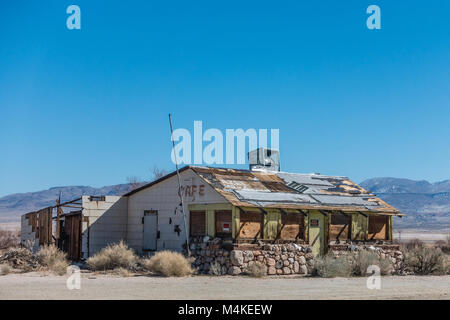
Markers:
197,223
223,223
251,225
292,226
340,226
378,227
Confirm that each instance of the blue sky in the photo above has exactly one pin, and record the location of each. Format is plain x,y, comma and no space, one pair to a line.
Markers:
90,106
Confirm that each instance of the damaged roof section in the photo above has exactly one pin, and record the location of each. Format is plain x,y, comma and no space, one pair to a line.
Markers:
291,190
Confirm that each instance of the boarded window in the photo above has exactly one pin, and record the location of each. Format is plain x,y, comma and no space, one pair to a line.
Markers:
340,227
378,227
223,222
251,225
292,226
197,223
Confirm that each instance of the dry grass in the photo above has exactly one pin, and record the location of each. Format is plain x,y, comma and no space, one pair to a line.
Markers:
363,259
330,266
112,257
168,264
421,260
257,270
122,272
4,269
53,259
9,239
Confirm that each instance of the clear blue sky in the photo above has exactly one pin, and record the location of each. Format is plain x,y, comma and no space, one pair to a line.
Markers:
90,107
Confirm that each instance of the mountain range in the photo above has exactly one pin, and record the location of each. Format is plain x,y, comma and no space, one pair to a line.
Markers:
426,205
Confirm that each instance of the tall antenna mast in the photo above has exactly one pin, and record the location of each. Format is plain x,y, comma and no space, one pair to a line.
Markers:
179,185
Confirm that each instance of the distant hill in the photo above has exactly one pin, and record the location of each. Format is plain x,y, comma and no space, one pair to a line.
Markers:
426,205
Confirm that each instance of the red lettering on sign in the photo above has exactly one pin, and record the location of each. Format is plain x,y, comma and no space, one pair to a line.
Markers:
192,190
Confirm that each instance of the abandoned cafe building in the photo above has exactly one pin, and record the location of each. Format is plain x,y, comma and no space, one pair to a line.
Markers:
262,204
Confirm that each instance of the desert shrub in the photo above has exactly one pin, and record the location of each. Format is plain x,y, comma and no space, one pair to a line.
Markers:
168,263
122,272
444,245
364,258
413,244
113,256
330,266
53,259
423,261
4,269
9,238
257,270
215,269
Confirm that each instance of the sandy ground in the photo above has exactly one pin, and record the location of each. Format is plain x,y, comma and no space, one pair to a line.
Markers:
36,286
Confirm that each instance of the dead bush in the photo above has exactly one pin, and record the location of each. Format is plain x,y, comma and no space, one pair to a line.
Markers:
169,263
9,239
4,269
53,259
330,266
424,261
112,257
364,258
257,270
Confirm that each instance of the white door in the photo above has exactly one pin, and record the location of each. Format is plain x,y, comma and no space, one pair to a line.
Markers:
150,230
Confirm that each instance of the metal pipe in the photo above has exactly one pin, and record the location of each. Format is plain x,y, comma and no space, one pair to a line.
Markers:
179,185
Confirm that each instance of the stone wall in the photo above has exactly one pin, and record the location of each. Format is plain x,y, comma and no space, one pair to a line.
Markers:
215,257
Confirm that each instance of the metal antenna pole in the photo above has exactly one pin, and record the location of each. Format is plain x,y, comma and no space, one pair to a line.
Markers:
180,193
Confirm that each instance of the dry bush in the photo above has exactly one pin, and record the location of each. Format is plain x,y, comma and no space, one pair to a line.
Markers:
423,260
53,259
444,245
169,263
215,269
330,266
4,269
122,272
112,257
9,238
364,258
257,270
413,244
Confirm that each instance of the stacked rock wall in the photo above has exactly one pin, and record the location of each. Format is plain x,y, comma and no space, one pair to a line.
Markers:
210,257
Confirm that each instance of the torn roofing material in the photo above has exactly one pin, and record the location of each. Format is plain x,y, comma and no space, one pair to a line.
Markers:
291,190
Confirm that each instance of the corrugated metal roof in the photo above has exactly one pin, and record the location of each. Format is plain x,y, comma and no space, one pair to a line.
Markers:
291,190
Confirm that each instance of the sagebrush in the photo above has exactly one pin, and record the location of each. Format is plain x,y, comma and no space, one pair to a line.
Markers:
9,238
421,260
53,259
363,259
330,266
168,264
113,256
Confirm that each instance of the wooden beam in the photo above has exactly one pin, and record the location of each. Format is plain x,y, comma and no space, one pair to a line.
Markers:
363,214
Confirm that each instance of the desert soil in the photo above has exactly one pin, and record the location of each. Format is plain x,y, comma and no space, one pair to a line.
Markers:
98,286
